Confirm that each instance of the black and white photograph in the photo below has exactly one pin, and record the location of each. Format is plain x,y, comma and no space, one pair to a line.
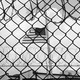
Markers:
39,39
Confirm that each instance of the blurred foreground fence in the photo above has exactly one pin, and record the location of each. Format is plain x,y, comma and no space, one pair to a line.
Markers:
39,39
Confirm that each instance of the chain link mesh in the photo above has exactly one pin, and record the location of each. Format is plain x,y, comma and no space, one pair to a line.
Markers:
39,39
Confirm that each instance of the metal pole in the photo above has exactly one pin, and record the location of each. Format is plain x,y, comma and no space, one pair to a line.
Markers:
49,67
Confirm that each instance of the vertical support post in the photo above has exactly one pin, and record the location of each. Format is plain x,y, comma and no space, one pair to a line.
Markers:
49,67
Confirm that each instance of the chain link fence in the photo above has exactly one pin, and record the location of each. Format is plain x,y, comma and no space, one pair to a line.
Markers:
39,39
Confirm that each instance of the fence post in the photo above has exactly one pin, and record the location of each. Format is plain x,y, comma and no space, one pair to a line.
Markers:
49,66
